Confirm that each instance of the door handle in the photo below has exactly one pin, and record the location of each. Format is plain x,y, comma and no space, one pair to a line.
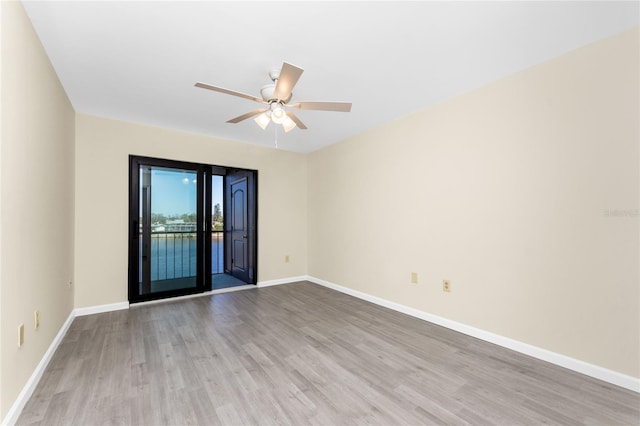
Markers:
244,236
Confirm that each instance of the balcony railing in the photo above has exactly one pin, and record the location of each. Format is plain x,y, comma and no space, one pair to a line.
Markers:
173,254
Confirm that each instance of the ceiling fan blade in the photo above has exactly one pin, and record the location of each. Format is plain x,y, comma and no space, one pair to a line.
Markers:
289,76
296,120
228,92
247,115
323,106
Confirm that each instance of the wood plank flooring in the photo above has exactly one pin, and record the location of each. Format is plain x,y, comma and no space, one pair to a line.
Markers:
302,354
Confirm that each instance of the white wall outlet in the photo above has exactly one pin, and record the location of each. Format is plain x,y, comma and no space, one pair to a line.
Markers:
446,286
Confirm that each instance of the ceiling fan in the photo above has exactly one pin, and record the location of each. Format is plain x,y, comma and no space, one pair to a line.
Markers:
276,97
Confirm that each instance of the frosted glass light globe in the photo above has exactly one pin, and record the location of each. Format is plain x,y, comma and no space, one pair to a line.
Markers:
277,114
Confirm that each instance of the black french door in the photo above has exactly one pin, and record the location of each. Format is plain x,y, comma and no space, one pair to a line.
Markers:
176,244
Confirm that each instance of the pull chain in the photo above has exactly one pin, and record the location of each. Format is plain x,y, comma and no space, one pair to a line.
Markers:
276,136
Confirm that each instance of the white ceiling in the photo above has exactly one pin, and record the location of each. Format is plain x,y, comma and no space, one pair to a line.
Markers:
137,61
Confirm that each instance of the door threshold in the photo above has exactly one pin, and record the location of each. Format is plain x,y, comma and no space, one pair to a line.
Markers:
191,296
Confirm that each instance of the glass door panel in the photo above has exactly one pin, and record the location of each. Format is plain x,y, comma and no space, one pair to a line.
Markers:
169,229
217,225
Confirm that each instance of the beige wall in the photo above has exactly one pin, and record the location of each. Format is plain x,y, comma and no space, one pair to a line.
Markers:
102,170
523,193
37,190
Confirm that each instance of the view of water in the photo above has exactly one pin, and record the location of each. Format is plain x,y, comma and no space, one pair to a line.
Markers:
174,256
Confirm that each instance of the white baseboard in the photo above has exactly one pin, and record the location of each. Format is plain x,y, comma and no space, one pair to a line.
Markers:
90,310
16,409
601,373
283,281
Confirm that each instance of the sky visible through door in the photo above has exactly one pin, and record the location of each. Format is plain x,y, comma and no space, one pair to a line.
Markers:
177,189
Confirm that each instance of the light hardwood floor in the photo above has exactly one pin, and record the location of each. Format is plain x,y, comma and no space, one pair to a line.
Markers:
302,354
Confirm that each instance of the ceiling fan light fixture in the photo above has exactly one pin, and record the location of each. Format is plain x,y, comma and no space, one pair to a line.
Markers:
288,124
277,113
263,120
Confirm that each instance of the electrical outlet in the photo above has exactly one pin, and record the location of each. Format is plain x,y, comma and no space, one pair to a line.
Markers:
414,278
36,319
286,259
446,286
21,335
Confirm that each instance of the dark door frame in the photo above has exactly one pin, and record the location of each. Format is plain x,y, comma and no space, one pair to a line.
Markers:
204,227
135,163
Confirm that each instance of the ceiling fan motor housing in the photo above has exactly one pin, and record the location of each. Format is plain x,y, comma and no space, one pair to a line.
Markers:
267,93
